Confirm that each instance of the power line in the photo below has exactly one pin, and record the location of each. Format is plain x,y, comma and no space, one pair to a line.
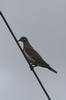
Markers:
32,69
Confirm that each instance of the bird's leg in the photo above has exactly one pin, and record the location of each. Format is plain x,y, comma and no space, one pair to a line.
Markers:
31,67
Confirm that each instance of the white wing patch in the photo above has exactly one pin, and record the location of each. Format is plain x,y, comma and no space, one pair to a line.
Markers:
29,57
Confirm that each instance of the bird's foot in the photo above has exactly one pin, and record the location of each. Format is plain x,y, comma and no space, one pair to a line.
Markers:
31,67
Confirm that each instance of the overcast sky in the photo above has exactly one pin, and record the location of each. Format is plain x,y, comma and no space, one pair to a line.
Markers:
43,22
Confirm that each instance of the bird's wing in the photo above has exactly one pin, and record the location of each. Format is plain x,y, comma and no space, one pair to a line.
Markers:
34,54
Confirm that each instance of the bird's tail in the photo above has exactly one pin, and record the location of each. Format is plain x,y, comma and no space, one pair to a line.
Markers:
52,69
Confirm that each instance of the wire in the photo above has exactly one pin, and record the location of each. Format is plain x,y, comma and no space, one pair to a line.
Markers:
32,69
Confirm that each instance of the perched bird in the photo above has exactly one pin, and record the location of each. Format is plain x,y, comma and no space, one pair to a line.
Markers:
33,56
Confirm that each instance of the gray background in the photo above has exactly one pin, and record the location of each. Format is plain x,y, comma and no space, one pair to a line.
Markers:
44,23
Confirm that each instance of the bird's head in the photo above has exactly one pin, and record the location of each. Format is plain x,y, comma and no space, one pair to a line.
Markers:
23,39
